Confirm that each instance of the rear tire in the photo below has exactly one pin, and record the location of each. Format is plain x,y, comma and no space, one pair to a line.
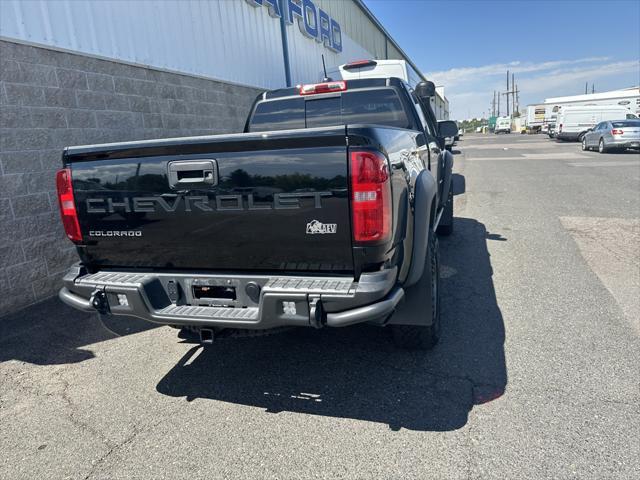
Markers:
445,227
602,148
424,337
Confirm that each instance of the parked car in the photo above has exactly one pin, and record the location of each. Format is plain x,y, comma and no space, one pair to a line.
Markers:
321,214
613,135
573,122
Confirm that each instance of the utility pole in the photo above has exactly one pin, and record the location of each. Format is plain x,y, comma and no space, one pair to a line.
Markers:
517,99
499,103
493,105
513,93
510,91
507,93
586,87
593,88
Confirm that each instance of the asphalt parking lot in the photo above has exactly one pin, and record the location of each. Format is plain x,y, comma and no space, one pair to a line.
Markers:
537,374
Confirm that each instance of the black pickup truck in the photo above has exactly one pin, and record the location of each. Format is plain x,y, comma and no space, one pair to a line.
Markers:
322,213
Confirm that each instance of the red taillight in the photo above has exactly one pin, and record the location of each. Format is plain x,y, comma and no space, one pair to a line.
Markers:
68,205
370,197
360,64
327,87
615,131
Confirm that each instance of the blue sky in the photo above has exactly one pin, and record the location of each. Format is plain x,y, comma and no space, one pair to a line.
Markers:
553,47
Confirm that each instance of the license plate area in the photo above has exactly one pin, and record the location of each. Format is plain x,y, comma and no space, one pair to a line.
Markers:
217,292
214,292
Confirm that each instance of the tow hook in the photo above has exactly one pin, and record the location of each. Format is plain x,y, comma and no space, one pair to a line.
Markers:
317,316
99,301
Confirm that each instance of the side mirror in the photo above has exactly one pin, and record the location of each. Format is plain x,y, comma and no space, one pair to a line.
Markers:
425,90
447,128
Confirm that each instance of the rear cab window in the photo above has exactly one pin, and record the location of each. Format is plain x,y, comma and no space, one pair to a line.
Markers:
626,123
380,106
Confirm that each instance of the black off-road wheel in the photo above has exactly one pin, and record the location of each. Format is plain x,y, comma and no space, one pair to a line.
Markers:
424,337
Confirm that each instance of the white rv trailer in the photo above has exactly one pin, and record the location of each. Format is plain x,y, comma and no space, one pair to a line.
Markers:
390,68
535,116
503,125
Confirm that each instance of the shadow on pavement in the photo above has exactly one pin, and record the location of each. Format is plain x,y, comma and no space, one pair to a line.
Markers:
357,372
51,333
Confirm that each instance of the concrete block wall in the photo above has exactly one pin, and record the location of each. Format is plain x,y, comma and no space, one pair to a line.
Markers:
51,99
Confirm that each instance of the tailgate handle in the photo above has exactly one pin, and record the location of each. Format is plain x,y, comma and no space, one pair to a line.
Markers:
192,173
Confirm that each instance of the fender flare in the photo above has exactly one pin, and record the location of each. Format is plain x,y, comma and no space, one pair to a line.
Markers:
446,178
425,194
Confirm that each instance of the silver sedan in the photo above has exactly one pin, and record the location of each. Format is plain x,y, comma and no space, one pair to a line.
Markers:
613,135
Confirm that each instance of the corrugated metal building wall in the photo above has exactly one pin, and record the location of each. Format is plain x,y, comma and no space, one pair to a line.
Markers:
80,72
231,40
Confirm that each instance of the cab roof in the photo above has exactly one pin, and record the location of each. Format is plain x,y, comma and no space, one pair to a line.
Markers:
351,85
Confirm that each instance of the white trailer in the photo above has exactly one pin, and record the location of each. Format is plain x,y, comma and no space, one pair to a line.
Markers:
390,68
535,117
627,97
575,120
503,125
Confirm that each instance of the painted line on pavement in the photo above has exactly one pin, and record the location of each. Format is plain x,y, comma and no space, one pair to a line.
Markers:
628,163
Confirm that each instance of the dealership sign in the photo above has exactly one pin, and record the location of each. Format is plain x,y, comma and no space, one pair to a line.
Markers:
313,21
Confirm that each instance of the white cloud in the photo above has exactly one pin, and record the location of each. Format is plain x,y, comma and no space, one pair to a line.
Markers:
470,89
563,77
466,74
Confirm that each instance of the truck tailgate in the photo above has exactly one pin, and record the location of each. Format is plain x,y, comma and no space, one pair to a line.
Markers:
274,201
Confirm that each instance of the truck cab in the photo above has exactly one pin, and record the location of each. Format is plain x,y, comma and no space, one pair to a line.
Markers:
440,143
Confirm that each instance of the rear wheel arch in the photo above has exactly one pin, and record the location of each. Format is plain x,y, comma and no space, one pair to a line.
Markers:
425,208
432,213
445,226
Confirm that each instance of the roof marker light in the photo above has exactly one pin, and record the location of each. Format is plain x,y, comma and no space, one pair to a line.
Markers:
360,64
328,87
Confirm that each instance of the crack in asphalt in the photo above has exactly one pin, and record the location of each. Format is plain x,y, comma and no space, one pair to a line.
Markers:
164,414
76,421
113,448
